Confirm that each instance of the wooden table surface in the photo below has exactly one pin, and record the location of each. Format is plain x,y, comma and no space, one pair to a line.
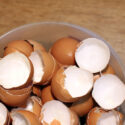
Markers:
104,17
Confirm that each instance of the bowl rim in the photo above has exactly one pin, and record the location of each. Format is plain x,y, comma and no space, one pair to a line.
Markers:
73,26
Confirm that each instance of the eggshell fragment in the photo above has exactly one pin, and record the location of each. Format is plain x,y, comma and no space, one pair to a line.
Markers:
63,50
107,70
83,105
22,46
71,83
4,115
109,91
98,116
55,112
46,94
23,117
92,55
37,45
33,104
15,70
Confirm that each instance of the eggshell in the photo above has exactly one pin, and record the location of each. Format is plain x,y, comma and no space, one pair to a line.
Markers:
33,104
37,45
49,67
74,118
109,91
92,55
63,50
15,97
46,94
95,115
29,117
37,91
20,45
55,113
107,70
4,115
58,88
83,105
14,68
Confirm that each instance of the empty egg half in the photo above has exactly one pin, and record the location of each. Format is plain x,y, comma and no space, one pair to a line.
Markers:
56,113
98,116
15,78
70,83
63,50
22,46
109,91
44,66
92,55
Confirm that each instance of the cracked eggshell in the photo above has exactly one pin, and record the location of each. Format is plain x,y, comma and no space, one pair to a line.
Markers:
58,88
49,67
108,70
22,46
13,93
92,55
23,117
63,50
46,94
33,104
71,83
109,91
98,116
4,115
55,112
37,45
83,105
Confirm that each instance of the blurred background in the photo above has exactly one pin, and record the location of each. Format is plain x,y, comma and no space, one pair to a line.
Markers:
104,17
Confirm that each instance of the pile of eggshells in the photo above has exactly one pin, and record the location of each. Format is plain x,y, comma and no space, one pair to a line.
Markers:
72,81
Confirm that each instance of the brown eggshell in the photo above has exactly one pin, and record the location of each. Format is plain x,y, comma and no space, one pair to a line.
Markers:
29,116
49,67
58,87
74,118
37,91
46,94
22,46
9,50
107,70
14,97
95,114
63,50
83,105
37,45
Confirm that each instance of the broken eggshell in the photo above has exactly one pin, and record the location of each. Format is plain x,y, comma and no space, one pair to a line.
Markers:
71,83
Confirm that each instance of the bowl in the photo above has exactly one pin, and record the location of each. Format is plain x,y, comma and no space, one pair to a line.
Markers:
48,32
